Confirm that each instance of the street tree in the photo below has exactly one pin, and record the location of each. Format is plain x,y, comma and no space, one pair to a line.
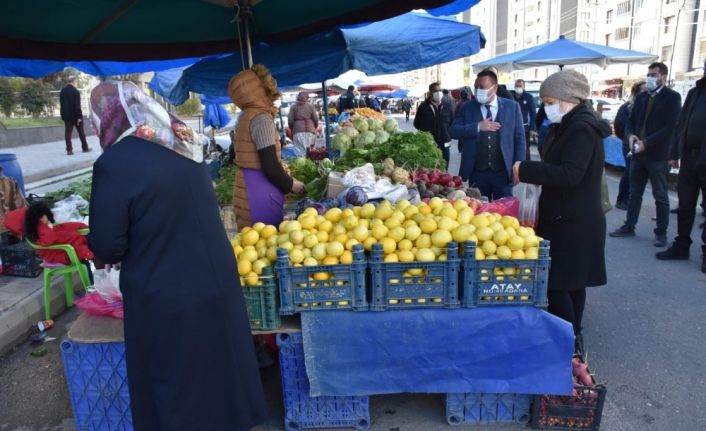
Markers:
35,97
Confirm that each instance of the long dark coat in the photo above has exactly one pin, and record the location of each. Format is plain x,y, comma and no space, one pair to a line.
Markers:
190,357
570,211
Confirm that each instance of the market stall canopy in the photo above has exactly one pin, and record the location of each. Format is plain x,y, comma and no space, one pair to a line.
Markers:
399,44
563,52
142,30
214,114
39,68
397,94
376,88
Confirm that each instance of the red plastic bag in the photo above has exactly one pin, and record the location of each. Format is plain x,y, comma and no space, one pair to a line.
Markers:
509,206
93,303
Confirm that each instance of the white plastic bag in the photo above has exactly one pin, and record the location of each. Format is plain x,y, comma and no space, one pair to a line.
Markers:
528,194
363,176
107,284
70,209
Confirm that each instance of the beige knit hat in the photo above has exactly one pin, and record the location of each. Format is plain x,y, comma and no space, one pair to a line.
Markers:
567,85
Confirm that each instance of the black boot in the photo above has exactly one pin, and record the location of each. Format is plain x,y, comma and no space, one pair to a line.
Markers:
675,252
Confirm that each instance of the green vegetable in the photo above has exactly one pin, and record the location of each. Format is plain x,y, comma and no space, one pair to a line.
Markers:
225,184
81,188
304,169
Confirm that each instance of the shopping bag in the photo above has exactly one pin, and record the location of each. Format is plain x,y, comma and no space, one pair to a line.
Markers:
92,303
605,197
107,284
509,206
528,194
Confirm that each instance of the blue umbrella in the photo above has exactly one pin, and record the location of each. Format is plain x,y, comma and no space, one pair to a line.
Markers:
407,42
562,52
215,116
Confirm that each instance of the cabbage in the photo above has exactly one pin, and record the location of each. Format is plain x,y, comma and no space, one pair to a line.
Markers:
351,131
356,196
381,137
374,124
391,125
365,138
341,142
360,124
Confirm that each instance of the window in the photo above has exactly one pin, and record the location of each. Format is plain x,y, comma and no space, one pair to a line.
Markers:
636,30
666,53
702,52
515,17
667,23
638,4
623,8
583,35
607,39
515,32
609,17
622,33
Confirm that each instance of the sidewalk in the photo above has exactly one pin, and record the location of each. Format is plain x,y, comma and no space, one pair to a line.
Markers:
41,161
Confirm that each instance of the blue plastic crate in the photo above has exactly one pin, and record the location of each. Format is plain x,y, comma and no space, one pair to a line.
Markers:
434,284
504,282
96,376
485,409
302,411
303,288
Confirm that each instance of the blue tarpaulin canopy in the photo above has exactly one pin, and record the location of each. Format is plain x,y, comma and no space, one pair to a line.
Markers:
214,114
39,68
407,42
512,350
562,52
397,94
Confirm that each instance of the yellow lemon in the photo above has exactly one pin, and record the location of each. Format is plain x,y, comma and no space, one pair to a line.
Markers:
310,261
334,249
325,226
531,241
516,243
380,232
322,236
296,256
484,233
251,279
296,237
402,204
331,260
449,212
405,244
310,241
412,232
489,248
368,243
356,211
405,256
287,245
251,237
388,245
532,253
419,217
397,233
319,252
503,252
464,215
435,203
460,204
424,209
446,223
442,257
272,254
461,234
391,258
261,252
441,238
249,254
479,254
350,222
237,250
522,231
518,254
424,241
244,267
258,226
392,222
383,212
333,215
347,257
410,211
425,255
350,243
367,211
480,220
360,233
347,213
428,225
338,229
364,222
500,237
259,265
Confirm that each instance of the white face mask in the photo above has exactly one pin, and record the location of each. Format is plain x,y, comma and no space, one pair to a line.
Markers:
554,113
519,90
651,83
437,96
482,96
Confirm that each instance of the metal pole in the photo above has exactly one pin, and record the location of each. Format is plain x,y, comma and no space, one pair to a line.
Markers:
327,134
248,45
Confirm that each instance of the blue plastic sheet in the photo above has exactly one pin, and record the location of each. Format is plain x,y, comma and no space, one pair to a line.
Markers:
36,68
614,151
521,350
406,42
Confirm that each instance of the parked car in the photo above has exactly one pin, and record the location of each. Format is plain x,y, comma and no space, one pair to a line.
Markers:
607,108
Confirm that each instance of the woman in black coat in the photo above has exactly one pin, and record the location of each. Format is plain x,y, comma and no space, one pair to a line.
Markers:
190,357
570,211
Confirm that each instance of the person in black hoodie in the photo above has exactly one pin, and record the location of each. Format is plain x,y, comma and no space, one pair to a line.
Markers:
570,211
688,153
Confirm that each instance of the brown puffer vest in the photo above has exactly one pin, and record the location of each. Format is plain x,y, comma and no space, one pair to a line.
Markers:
247,93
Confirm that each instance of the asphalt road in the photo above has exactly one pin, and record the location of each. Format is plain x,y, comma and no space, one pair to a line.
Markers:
643,334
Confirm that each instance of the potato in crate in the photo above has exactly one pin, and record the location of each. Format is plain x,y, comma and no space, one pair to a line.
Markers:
423,283
321,287
490,282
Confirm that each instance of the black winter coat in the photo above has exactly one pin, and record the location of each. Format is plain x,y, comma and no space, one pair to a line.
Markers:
70,103
676,151
570,211
190,356
436,120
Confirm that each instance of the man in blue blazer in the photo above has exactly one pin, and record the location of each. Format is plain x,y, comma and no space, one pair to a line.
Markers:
492,138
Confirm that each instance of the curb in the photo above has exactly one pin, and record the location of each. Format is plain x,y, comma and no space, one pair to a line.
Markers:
18,321
43,175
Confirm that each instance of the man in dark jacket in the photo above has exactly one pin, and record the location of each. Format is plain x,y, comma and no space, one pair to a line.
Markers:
347,101
688,153
621,118
649,131
433,117
526,102
70,107
492,136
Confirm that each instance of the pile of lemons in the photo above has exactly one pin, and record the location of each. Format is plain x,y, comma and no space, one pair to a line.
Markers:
405,232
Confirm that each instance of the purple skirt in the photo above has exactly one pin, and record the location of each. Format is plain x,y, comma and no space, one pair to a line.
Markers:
265,200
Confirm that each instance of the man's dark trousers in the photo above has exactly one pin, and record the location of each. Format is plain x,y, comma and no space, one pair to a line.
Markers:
69,128
493,185
692,182
641,170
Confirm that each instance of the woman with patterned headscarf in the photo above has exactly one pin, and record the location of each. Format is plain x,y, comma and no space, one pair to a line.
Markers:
190,357
261,182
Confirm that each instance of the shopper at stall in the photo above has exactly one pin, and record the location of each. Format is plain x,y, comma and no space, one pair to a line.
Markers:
570,212
261,181
649,131
407,108
348,101
303,120
688,153
526,102
190,358
492,136
433,117
621,118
